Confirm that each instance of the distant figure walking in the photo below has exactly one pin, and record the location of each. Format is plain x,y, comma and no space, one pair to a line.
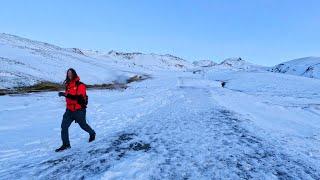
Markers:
76,100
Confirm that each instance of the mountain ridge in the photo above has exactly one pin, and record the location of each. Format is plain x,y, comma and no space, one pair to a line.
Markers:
306,66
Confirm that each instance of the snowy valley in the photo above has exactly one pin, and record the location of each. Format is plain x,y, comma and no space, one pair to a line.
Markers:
201,120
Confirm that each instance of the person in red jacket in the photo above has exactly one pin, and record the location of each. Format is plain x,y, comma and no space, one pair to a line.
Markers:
76,100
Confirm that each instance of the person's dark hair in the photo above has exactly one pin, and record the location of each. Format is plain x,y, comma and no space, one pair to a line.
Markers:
74,75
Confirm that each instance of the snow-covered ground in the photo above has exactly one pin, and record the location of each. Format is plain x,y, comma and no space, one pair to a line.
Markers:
177,125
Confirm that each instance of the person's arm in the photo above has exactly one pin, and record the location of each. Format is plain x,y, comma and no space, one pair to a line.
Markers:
82,92
73,97
80,96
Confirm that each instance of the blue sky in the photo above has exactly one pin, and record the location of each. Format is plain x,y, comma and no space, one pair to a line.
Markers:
263,31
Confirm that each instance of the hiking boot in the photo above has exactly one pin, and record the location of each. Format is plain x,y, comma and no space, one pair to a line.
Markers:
63,147
92,137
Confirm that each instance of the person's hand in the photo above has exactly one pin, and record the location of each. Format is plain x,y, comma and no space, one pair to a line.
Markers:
61,94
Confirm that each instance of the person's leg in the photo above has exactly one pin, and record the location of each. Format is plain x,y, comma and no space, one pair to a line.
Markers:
66,122
80,117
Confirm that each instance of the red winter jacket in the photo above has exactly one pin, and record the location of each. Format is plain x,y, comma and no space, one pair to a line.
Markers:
74,89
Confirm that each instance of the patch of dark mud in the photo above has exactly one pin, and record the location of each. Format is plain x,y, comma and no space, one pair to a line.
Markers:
47,86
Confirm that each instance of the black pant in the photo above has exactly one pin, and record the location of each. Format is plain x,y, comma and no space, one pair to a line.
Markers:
68,117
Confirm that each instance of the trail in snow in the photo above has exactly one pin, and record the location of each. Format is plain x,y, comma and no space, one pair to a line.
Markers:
195,138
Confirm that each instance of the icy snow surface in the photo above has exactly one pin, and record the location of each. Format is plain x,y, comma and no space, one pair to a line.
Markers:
177,125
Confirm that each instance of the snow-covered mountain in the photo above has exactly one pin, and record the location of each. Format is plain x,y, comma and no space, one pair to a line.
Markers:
25,62
239,64
308,67
204,63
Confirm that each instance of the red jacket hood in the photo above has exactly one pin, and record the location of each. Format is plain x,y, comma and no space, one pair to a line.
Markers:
73,81
76,79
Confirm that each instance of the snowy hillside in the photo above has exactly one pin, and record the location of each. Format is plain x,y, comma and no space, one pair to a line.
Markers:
148,61
308,67
25,62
